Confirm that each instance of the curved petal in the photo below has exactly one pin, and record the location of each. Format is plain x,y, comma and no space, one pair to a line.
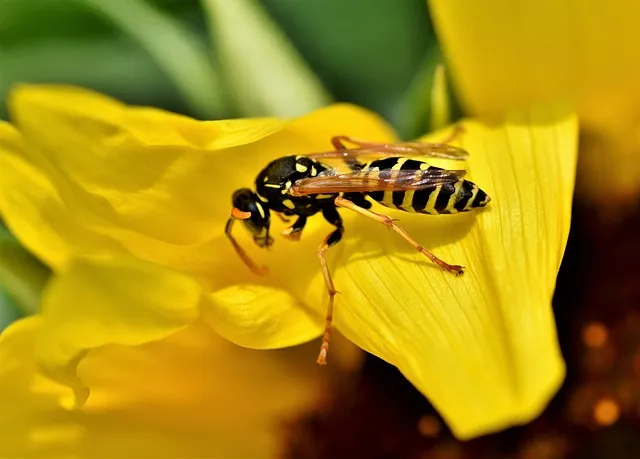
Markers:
482,347
500,60
124,167
191,394
23,392
160,184
105,300
34,212
505,55
261,317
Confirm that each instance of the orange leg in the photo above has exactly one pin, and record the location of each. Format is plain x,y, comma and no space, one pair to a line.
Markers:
332,216
389,223
457,131
259,270
337,142
326,337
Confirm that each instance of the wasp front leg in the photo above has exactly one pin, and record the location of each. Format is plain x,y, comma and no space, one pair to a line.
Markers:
294,232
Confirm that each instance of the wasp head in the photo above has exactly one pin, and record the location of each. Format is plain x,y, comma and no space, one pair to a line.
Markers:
255,215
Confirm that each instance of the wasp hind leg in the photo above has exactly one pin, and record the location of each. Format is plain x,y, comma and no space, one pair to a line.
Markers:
338,141
389,223
332,216
294,232
457,131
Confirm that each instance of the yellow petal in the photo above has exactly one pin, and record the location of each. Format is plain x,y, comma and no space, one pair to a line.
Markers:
123,165
24,393
105,300
229,398
482,347
505,55
261,317
33,210
161,184
192,395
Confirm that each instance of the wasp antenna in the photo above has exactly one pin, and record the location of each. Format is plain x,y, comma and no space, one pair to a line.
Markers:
254,268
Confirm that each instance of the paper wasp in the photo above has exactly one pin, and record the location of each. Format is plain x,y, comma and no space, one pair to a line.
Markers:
302,186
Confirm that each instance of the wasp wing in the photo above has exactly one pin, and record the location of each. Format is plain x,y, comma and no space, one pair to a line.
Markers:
434,150
366,180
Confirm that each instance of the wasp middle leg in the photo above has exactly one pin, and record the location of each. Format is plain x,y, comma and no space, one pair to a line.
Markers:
294,232
389,223
332,216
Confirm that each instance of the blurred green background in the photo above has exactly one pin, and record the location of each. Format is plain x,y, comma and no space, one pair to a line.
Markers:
179,54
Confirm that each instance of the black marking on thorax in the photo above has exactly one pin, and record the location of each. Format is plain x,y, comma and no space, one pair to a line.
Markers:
275,180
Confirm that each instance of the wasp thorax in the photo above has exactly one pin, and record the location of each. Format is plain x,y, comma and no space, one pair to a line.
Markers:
258,219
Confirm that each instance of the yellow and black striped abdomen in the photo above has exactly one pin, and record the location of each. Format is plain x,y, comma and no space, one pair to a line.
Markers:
450,198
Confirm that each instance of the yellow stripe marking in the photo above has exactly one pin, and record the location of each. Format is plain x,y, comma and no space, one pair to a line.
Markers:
474,192
287,185
452,199
430,208
407,202
388,195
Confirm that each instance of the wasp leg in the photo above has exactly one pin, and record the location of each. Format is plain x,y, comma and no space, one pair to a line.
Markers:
333,217
337,141
358,199
389,223
457,131
282,217
294,232
259,270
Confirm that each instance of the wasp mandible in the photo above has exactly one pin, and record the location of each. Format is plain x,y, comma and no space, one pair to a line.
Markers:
303,185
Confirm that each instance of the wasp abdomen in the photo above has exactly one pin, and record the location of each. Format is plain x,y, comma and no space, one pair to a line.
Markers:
450,198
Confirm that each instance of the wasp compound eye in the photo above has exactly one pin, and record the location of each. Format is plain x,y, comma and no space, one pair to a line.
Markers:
254,214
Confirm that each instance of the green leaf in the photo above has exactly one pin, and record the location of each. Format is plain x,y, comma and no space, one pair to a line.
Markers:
9,312
176,49
22,276
117,67
365,51
425,106
265,71
24,22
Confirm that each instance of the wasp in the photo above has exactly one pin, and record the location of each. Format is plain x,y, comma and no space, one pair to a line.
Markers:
305,185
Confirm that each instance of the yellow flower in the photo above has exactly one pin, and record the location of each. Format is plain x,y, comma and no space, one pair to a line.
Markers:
189,394
92,177
505,55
